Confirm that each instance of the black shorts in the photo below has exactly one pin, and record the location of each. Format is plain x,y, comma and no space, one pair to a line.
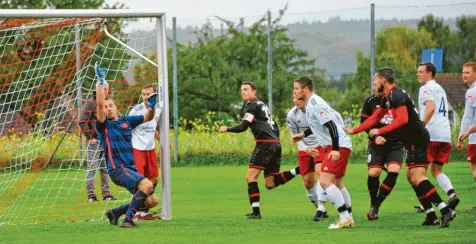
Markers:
267,157
379,155
416,147
416,156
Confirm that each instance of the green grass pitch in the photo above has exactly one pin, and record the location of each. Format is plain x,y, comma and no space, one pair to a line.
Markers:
209,204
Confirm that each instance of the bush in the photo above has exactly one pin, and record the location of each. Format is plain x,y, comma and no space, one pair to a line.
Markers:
199,145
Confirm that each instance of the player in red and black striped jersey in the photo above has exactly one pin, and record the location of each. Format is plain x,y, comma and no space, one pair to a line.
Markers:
383,149
267,153
415,137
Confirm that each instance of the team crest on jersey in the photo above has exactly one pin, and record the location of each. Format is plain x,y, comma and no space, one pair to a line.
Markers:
470,98
426,94
124,125
387,118
323,114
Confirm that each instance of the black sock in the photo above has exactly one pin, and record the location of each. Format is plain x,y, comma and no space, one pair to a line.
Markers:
253,194
425,203
387,186
432,195
283,178
450,192
298,171
373,184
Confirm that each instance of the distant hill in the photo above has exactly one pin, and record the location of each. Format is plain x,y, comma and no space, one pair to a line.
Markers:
333,43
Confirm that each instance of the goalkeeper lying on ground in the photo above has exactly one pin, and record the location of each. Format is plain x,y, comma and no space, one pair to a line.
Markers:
115,133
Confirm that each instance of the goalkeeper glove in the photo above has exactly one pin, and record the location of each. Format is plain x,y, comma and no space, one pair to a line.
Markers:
152,101
101,74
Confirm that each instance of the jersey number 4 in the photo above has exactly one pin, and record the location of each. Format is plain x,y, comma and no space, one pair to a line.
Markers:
442,108
268,116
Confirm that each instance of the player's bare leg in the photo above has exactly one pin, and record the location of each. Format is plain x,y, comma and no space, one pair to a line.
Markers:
144,214
143,198
444,182
309,181
321,195
275,180
253,192
426,190
334,194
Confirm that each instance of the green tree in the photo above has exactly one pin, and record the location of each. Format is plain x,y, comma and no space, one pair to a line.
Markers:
462,42
442,35
210,72
397,47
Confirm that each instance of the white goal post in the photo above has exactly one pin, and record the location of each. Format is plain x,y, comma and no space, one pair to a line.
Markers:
162,82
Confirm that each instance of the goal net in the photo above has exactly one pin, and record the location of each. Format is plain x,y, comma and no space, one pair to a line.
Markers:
46,78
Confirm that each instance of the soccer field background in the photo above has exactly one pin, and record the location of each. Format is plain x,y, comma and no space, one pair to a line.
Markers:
209,204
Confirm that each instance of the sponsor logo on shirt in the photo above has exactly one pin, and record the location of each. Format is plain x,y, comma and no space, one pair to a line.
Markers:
124,125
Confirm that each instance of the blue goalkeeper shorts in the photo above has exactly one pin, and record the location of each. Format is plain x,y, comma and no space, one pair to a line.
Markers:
126,177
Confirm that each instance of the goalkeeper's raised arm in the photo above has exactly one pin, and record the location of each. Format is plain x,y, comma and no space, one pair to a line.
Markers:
107,108
100,94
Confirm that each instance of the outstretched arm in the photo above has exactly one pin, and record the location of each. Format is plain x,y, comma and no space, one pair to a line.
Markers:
245,123
401,119
100,96
236,129
370,121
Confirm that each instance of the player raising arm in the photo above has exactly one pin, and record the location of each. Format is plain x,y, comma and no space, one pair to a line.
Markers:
143,144
115,134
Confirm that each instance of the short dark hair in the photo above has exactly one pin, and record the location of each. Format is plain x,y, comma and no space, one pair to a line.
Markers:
305,81
430,67
148,86
251,84
386,73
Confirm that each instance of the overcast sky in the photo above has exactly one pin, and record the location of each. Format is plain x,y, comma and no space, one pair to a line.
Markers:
191,12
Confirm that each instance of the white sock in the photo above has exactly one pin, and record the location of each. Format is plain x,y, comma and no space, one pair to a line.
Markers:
441,205
335,197
445,183
322,196
312,195
293,171
346,196
321,193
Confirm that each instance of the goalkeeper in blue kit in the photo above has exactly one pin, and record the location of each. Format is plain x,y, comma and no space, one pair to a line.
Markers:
115,133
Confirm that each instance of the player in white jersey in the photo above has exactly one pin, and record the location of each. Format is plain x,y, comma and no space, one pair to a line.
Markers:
143,144
469,118
335,144
433,106
308,158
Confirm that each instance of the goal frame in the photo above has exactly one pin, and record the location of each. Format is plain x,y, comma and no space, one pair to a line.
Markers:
162,81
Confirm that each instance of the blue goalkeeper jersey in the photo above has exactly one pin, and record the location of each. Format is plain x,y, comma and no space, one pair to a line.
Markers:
116,138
